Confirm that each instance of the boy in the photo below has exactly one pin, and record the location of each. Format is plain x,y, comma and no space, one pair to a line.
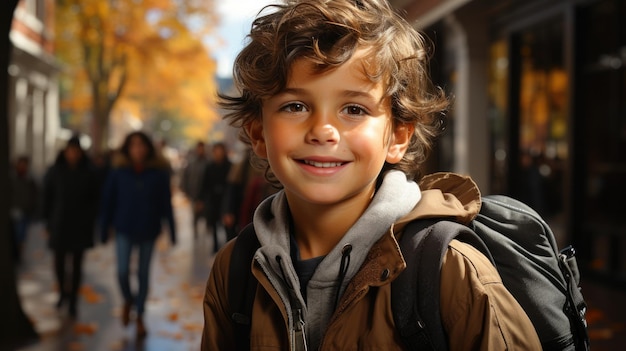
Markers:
336,99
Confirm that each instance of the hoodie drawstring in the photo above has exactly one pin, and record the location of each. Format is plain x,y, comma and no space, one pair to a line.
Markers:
343,270
298,342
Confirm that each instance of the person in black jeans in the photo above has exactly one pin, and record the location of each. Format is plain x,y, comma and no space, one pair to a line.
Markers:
191,182
69,209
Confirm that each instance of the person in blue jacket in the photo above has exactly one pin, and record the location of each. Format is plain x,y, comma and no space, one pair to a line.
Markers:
136,198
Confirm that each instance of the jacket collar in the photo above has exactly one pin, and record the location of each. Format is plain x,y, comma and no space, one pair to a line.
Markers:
443,195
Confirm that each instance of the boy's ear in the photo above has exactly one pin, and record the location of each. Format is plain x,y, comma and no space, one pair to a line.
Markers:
399,143
254,130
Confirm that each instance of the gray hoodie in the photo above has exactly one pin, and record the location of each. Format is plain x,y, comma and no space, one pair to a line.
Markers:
394,198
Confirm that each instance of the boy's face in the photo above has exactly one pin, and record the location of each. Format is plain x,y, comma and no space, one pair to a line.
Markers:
327,135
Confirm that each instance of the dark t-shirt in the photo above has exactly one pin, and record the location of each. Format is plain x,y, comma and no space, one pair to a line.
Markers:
304,268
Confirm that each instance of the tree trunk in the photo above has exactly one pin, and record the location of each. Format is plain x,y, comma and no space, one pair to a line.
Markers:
96,133
99,119
15,328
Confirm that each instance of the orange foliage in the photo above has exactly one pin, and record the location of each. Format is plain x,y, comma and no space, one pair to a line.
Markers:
128,53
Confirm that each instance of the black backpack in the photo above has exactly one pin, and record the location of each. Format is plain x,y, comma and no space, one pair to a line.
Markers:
513,236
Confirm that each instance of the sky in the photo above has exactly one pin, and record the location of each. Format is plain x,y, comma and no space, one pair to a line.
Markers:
237,15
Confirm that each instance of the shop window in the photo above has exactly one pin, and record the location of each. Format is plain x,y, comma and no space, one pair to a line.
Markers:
543,115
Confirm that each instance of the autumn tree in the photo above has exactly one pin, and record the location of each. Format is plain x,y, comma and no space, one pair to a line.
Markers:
142,56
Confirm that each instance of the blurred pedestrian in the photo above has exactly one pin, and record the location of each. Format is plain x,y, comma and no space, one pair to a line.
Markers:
214,188
69,209
246,189
166,153
135,199
191,183
24,196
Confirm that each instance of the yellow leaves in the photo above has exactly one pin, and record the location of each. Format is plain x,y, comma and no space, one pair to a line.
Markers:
140,51
95,8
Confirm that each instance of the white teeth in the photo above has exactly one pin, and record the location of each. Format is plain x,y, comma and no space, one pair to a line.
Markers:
323,164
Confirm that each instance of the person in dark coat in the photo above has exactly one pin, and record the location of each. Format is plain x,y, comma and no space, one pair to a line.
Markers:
135,199
214,188
191,182
24,194
246,188
69,209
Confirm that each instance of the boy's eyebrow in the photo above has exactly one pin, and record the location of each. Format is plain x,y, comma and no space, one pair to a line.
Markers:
345,93
356,93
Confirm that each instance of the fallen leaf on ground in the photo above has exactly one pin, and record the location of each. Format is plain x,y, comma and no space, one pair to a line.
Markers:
85,328
173,317
171,335
90,295
193,327
75,346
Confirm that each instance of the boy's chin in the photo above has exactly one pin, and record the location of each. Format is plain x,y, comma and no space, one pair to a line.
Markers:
325,197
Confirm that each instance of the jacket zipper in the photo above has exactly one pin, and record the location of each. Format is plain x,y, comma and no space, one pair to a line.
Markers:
299,342
296,328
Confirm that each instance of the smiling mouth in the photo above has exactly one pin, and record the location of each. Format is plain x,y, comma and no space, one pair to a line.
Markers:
323,164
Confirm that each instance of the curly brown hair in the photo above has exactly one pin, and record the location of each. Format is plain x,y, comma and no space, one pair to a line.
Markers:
327,33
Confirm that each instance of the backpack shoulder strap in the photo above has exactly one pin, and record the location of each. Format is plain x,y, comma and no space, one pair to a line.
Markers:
242,286
415,293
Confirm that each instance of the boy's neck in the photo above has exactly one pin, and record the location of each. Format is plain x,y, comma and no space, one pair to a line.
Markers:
319,228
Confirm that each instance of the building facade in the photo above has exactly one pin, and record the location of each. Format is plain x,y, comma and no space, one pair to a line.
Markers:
33,86
539,111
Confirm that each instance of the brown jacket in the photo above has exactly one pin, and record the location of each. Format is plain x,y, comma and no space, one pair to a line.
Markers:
477,311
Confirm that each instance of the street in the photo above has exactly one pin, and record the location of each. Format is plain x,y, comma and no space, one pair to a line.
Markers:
173,311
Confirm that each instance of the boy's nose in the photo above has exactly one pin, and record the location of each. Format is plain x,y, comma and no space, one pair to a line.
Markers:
322,132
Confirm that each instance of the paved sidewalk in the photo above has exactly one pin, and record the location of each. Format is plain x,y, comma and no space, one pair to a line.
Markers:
173,311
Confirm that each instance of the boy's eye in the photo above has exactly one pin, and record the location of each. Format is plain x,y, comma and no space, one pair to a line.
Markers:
294,107
354,110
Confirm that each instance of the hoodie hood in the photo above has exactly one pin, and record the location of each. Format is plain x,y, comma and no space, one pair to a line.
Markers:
394,199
